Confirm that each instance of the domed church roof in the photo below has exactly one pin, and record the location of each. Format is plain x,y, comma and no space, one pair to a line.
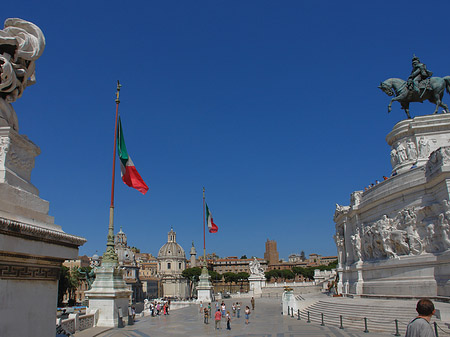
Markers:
171,249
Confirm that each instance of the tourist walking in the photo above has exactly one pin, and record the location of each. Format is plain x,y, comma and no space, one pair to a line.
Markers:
206,315
247,314
420,326
201,307
224,308
238,309
253,303
228,321
217,318
209,309
233,308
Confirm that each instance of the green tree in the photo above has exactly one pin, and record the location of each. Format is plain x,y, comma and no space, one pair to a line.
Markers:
274,273
241,277
302,255
215,276
244,257
333,265
287,274
298,270
73,283
307,272
192,275
230,277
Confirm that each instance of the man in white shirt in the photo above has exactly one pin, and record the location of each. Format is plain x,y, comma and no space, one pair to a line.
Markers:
420,326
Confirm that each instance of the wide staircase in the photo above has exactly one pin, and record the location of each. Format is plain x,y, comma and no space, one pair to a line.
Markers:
357,315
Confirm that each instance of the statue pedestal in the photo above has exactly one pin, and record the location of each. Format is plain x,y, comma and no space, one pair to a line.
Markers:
204,288
413,140
394,238
32,247
110,296
257,282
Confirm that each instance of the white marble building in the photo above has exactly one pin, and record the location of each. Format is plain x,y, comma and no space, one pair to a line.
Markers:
393,239
171,263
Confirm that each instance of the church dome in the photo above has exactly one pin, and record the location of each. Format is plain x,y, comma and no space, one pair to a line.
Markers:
171,249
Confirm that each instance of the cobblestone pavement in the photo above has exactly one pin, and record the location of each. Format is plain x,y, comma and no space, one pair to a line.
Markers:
266,320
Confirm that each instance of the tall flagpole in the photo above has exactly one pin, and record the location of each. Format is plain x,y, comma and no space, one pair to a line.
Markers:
204,226
110,255
204,285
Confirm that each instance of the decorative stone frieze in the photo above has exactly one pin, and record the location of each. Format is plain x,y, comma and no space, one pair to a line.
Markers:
402,223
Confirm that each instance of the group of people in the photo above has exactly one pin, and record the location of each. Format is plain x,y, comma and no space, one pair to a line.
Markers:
221,312
375,183
157,308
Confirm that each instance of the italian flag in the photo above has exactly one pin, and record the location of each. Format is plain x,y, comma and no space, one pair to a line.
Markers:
211,225
130,175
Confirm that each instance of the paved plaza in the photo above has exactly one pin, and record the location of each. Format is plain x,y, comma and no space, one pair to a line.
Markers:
266,320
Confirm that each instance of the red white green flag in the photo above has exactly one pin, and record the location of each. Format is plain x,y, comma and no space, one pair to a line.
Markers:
130,175
209,220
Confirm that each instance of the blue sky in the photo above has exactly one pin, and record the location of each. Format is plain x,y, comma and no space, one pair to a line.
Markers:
273,106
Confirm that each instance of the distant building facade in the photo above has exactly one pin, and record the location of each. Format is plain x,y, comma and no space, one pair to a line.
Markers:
127,262
314,260
171,263
234,265
148,274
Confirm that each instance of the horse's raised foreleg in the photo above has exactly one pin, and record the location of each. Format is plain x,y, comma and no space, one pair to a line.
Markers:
390,104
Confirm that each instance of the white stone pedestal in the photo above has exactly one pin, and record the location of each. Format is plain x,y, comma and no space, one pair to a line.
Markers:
257,282
32,247
393,238
205,288
110,296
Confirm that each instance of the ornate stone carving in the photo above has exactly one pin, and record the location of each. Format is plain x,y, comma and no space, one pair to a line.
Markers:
438,158
21,44
4,148
355,198
411,150
424,148
412,231
255,268
356,244
401,153
17,271
394,160
15,228
340,210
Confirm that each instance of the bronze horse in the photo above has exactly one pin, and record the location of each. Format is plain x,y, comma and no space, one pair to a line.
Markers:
434,92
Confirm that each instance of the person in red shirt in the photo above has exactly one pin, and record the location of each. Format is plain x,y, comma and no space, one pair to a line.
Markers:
217,318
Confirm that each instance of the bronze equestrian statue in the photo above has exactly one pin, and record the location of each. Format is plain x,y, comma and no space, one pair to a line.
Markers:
419,87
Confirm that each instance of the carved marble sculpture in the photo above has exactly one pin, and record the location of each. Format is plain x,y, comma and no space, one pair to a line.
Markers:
21,44
255,268
411,232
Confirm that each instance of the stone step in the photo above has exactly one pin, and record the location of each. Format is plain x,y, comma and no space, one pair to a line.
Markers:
380,318
361,310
